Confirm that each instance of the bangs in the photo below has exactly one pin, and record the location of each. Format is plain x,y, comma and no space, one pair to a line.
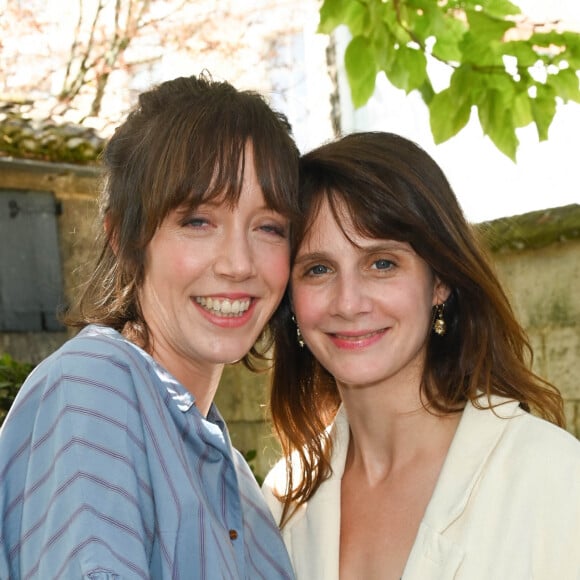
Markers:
201,157
357,214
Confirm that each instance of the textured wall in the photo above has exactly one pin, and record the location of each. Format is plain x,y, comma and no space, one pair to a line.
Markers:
544,287
75,187
537,257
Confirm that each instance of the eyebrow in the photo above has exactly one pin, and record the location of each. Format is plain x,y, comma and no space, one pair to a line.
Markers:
213,204
381,246
388,246
310,256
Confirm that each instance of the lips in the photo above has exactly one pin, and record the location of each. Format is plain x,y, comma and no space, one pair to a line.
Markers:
355,337
358,340
226,307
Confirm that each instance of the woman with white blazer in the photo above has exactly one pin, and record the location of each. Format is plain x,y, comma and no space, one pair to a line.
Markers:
419,443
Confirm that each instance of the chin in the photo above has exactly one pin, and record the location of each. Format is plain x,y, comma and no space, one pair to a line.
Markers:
232,357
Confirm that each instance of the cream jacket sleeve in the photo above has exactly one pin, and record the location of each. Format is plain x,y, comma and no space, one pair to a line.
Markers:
506,505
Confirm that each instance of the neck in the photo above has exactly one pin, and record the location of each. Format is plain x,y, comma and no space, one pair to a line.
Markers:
391,428
201,383
201,380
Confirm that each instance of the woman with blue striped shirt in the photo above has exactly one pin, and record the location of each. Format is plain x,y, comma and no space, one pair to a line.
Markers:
114,461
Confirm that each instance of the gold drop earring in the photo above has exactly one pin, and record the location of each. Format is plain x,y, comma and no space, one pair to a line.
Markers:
439,325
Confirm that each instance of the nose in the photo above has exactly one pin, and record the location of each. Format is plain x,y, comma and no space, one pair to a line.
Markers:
350,297
235,258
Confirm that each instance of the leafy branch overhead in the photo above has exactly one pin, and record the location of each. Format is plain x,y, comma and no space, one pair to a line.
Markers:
511,70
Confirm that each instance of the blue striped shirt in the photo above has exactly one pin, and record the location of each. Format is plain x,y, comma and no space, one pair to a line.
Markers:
108,471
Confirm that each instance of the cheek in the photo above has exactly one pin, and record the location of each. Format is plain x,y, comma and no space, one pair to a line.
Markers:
275,268
420,307
172,265
307,307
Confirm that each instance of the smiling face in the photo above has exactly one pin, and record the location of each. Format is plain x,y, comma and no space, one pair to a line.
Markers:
213,278
364,308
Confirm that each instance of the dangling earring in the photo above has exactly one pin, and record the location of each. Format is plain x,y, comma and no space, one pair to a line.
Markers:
439,326
298,333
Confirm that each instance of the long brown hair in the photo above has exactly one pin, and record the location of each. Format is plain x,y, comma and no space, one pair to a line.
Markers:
183,144
392,189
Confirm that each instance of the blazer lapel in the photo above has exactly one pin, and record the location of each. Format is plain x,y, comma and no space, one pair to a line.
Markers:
315,528
434,556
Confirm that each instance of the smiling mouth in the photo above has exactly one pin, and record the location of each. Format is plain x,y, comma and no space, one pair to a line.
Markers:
357,337
224,306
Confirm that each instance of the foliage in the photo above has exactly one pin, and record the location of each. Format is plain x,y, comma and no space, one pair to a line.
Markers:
511,70
250,457
12,375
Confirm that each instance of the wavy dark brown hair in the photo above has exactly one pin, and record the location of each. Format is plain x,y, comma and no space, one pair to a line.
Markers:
392,189
182,145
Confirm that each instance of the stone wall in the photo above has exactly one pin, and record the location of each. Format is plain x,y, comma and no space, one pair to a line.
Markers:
537,257
75,187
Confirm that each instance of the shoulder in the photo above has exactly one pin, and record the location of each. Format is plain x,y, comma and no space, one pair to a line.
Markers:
92,348
92,370
530,443
98,346
525,428
97,357
544,441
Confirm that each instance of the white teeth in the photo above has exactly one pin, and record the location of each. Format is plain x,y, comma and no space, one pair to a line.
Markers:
224,307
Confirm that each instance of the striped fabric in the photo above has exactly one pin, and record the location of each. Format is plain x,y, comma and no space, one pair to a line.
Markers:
108,471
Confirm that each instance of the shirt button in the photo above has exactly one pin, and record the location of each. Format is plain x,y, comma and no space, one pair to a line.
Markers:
233,535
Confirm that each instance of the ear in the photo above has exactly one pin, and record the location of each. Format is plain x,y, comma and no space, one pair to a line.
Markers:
441,291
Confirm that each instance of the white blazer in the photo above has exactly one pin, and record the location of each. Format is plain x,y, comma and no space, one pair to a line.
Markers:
506,505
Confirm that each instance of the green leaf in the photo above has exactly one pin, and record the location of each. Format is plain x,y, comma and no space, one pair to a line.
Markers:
543,110
501,82
487,28
250,455
397,24
447,42
522,110
409,69
554,39
426,91
351,13
571,40
566,84
483,44
12,375
497,123
500,8
447,115
360,64
480,52
522,50
469,35
464,80
419,19
383,46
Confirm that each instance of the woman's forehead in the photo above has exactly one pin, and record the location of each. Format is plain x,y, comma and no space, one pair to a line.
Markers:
333,219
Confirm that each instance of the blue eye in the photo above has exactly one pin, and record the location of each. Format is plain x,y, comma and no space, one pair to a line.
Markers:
317,270
274,229
383,264
197,222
